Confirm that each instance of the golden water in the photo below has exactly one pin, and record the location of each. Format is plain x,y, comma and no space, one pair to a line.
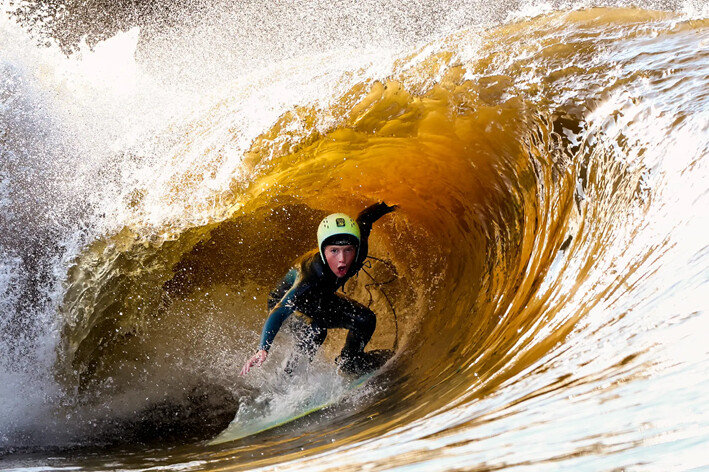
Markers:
549,255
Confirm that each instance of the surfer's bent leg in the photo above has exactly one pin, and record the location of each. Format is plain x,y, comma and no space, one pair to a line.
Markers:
309,336
357,318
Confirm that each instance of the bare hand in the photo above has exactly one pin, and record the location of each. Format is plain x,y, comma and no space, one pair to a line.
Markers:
256,360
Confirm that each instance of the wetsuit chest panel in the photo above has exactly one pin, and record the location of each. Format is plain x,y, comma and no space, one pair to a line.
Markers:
316,285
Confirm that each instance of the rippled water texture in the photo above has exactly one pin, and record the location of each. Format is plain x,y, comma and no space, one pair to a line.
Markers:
543,281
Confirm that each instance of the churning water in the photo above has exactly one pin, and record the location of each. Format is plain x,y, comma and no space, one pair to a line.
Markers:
547,269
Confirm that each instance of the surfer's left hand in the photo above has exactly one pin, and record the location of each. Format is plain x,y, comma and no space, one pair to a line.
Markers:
256,360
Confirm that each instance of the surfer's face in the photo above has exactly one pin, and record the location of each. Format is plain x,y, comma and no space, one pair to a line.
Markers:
340,258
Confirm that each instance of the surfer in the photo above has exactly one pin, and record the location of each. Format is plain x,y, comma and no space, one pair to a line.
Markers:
309,288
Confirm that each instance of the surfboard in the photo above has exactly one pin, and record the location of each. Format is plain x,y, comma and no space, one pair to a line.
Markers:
237,431
314,403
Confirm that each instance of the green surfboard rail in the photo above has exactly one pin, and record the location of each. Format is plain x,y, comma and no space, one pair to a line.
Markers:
226,435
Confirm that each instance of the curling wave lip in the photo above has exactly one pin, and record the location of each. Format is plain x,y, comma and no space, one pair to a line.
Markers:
497,162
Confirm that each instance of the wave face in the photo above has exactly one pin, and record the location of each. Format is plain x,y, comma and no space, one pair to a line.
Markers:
543,278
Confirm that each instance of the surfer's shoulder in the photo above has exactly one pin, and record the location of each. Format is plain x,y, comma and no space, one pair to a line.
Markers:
311,265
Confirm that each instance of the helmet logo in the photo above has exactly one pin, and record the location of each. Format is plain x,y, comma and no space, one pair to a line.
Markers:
340,222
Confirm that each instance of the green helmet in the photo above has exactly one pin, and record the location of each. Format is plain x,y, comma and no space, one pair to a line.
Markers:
337,228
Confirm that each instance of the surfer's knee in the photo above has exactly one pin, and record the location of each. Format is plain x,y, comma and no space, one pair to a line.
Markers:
318,336
367,320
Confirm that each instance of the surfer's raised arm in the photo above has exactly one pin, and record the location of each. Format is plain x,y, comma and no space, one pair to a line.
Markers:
310,290
367,217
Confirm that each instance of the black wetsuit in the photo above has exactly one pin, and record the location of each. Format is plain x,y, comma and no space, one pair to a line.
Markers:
310,288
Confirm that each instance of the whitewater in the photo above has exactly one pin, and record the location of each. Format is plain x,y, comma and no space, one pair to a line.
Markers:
544,279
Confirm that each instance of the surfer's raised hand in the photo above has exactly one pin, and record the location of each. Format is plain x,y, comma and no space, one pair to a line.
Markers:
256,360
373,212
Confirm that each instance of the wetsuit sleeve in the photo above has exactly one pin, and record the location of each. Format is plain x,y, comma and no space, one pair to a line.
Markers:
273,324
280,312
370,215
282,288
365,220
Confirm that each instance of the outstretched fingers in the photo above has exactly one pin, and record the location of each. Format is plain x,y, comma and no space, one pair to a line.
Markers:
255,361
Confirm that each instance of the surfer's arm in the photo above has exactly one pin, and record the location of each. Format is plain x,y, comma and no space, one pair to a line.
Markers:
282,288
280,311
365,220
273,324
278,315
370,215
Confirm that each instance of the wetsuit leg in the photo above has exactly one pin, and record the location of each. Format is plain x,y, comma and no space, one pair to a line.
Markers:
309,336
342,312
